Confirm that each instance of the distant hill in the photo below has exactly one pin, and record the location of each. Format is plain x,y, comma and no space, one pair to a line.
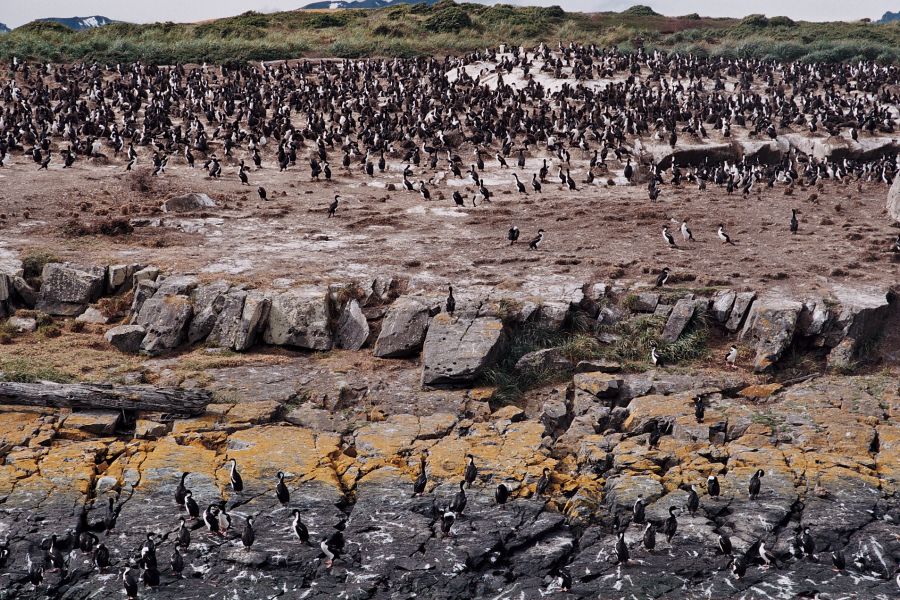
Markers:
3,28
79,23
890,16
365,3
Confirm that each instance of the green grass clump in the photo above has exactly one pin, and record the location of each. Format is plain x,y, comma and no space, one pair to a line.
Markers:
637,336
33,262
22,371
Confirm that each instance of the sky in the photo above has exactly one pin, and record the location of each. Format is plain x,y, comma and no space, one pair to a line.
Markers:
17,12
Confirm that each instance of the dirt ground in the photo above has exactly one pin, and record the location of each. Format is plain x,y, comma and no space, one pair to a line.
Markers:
599,231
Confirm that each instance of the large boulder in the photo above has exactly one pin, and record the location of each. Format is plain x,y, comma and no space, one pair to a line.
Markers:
458,350
143,291
739,309
228,320
770,326
208,301
67,289
860,318
166,320
404,327
120,278
681,316
188,203
253,320
352,328
300,317
126,338
893,200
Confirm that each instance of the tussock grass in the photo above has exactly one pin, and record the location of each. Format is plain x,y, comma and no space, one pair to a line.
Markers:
22,370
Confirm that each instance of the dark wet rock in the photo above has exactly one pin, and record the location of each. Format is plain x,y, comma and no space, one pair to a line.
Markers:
126,338
457,350
404,327
67,289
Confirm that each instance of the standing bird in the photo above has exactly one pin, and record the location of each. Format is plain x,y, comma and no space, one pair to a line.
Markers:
190,505
130,583
838,560
447,520
501,495
670,527
535,184
211,519
693,501
520,187
724,544
332,208
177,562
237,483
298,528
537,241
668,237
459,500
755,484
471,471
638,510
699,409
795,224
421,480
183,537
621,550
248,536
726,239
649,538
101,557
543,483
628,171
281,490
686,232
655,358
807,543
731,357
767,557
450,305
712,486
512,235
662,278
262,192
181,491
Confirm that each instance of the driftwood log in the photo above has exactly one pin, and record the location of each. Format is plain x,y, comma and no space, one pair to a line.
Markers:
104,396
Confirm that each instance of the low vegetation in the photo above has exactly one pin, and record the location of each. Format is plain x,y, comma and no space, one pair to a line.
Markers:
447,27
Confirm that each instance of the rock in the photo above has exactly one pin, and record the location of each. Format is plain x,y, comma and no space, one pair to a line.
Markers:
598,384
228,320
352,328
645,302
22,324
610,315
862,315
770,326
893,200
813,318
253,320
318,419
5,287
104,484
120,278
457,350
255,413
246,556
146,429
722,304
404,327
555,415
67,289
166,319
601,366
126,338
145,274
92,315
144,290
100,422
842,357
207,301
300,318
759,391
678,321
623,491
663,311
178,285
546,359
188,203
24,293
742,302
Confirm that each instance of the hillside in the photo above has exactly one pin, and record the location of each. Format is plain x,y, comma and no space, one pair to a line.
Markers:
326,4
79,23
410,30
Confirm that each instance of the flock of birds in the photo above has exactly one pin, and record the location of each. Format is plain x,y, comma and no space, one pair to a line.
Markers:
422,112
142,566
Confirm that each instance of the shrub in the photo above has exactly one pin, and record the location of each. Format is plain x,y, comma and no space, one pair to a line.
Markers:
34,261
640,10
448,20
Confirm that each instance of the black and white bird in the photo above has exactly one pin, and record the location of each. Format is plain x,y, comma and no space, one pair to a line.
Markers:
670,527
755,484
183,537
447,521
638,510
649,537
421,479
535,243
177,562
471,472
450,304
668,237
261,191
332,208
181,490
520,187
662,278
795,224
699,409
298,528
211,518
248,536
543,483
655,358
838,560
731,357
896,247
693,501
190,505
726,239
712,486
738,567
130,583
535,184
237,483
686,232
423,191
724,543
768,558
512,235
458,198
281,490
101,557
621,550
459,500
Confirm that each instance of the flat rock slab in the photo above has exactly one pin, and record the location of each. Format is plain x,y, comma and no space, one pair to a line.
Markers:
188,203
458,350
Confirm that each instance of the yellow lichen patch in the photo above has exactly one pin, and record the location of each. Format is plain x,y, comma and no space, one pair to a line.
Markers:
263,451
760,391
888,459
16,428
164,459
69,467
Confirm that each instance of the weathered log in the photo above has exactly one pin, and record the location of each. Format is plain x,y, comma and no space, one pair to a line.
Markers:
105,396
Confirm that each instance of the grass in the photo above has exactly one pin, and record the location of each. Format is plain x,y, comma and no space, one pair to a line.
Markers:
445,28
636,336
22,370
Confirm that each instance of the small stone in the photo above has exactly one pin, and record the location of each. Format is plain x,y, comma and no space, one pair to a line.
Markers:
598,383
146,429
758,392
645,302
101,422
23,324
254,412
126,338
92,315
104,484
